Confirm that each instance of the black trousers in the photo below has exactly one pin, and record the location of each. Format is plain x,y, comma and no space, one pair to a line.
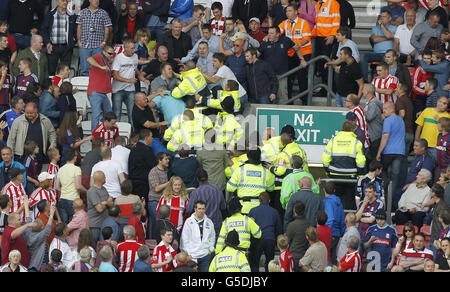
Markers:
417,218
322,49
60,54
258,247
301,76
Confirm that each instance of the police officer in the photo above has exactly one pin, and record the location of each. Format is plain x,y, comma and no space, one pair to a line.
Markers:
250,180
228,130
190,134
343,158
231,259
200,119
244,225
192,83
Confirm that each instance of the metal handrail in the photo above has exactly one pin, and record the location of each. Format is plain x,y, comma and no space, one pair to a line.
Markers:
311,87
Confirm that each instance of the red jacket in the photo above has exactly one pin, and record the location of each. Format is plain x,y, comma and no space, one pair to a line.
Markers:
137,224
418,80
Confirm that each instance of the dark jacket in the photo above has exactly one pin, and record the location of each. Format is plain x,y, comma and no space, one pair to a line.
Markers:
347,14
47,27
313,203
66,102
140,162
259,79
156,7
268,220
247,9
296,235
122,28
47,106
403,75
166,39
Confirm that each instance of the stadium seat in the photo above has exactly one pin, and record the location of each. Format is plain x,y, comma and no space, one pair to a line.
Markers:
80,82
124,129
86,126
426,229
82,101
399,229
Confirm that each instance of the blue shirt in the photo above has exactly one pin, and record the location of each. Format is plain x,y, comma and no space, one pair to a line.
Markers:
268,220
170,106
117,231
350,44
10,116
141,266
395,126
386,240
107,268
382,47
397,11
213,45
420,162
336,216
236,64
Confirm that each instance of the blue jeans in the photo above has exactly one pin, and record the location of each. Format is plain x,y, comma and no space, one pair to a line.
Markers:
128,98
151,208
99,103
65,209
85,53
396,162
364,61
340,100
204,262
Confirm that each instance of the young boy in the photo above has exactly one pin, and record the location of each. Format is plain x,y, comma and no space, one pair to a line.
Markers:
373,176
228,130
25,77
286,257
218,21
443,145
62,73
5,86
53,168
163,259
432,96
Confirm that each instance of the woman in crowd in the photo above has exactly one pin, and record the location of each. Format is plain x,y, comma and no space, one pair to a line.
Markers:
403,243
175,196
69,136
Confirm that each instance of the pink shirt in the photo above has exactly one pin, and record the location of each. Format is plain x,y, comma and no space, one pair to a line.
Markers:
310,13
80,221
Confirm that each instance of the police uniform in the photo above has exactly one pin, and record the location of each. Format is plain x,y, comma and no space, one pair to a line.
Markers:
230,260
221,94
192,82
271,148
237,161
190,133
250,181
228,130
178,121
283,163
245,227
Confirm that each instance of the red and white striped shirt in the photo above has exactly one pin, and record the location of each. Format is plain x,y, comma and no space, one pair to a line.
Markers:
424,3
177,206
16,194
419,78
57,81
160,253
53,169
410,254
361,122
38,195
127,252
390,82
286,261
108,135
351,262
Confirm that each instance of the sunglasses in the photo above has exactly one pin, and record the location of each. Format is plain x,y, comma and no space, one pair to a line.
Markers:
110,53
408,230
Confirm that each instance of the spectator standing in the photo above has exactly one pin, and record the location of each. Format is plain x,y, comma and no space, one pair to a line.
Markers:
440,70
100,83
163,258
347,14
286,257
205,61
39,62
94,27
443,146
373,110
129,23
295,232
175,196
236,60
107,130
381,238
164,222
392,146
351,231
268,219
185,166
125,202
17,107
112,221
113,172
98,201
68,183
211,195
47,102
246,10
120,153
315,258
44,215
193,25
155,16
176,41
254,26
372,177
208,37
437,195
262,84
60,243
402,39
15,190
424,31
325,231
275,52
90,159
397,12
427,123
343,37
404,108
143,116
420,11
127,250
335,218
124,70
58,31
7,164
352,103
167,81
136,218
22,21
213,162
25,77
351,261
431,84
382,36
385,84
80,221
277,12
143,262
198,237
154,68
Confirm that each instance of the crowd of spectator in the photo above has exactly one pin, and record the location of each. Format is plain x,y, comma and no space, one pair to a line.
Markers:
172,194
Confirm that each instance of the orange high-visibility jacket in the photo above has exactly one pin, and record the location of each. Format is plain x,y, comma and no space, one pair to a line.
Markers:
328,18
297,33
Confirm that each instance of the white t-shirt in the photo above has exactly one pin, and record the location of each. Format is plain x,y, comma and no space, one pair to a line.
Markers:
121,154
404,36
126,66
227,7
111,169
225,73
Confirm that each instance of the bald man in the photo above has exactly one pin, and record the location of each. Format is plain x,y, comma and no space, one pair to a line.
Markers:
80,221
39,61
313,202
350,231
98,202
182,259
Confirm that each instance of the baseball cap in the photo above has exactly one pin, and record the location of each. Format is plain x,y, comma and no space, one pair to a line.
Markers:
45,176
14,172
254,19
380,214
239,35
350,116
